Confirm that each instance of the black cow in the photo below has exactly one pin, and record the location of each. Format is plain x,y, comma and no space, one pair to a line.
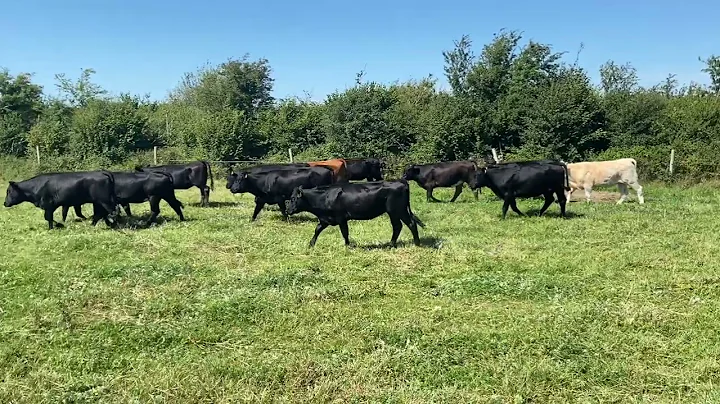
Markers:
52,190
525,180
275,187
232,176
444,174
361,169
139,187
335,204
186,176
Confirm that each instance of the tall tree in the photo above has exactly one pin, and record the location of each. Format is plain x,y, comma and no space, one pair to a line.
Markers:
80,92
238,84
20,107
712,68
616,78
566,118
458,63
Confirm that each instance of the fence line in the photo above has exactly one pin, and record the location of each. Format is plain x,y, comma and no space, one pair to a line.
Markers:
223,161
390,168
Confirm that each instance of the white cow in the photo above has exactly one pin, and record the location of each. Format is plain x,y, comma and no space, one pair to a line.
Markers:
622,172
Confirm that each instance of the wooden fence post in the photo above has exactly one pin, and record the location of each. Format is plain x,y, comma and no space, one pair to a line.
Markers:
37,153
495,156
155,155
672,160
291,155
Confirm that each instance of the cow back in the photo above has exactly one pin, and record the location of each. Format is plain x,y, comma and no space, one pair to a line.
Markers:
525,180
69,188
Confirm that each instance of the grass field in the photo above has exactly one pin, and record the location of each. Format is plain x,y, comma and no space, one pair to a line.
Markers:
617,303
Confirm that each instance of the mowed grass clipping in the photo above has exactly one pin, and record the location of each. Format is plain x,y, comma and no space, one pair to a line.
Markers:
617,303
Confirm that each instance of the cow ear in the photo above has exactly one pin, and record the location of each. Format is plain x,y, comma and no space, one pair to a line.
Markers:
13,184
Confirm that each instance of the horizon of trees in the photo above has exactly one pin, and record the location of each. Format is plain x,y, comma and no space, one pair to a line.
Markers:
519,97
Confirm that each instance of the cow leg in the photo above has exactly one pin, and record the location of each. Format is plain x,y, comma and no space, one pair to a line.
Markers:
176,205
345,231
154,208
410,223
549,199
515,209
458,190
476,192
562,200
259,204
318,229
103,211
126,207
506,205
110,210
202,196
397,227
206,190
78,212
639,189
430,197
98,213
588,191
49,212
281,205
623,193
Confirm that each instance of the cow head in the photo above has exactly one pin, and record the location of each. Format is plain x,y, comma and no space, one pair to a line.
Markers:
376,170
231,179
296,202
411,173
240,184
479,180
14,195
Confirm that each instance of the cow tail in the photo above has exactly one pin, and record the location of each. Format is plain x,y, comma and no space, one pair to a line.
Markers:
167,174
172,181
212,182
414,218
567,177
113,194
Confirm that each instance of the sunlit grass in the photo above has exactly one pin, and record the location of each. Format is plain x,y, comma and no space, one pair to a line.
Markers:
617,303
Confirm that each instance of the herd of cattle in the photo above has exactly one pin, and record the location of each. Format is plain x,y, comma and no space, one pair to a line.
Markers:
322,188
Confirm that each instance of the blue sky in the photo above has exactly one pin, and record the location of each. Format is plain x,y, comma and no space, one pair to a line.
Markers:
319,46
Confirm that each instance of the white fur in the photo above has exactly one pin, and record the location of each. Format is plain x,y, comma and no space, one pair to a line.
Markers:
622,172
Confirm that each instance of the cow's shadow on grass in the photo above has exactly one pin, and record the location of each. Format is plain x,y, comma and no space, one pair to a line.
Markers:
298,219
135,222
457,201
213,204
425,242
548,213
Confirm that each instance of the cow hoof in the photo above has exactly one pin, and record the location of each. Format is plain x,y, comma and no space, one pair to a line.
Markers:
59,226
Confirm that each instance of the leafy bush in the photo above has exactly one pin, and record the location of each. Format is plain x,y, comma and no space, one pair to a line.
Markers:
294,123
13,139
652,161
110,130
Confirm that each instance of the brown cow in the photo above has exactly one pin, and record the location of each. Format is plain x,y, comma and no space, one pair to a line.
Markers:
338,167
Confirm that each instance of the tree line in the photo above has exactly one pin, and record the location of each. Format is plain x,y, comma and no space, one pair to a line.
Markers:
520,98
